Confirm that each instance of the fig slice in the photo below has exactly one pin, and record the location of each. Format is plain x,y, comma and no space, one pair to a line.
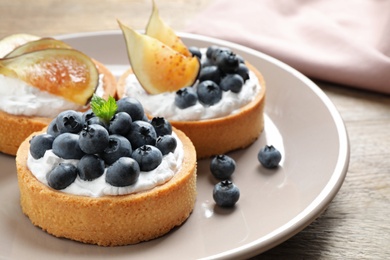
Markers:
7,44
63,72
40,44
158,29
158,67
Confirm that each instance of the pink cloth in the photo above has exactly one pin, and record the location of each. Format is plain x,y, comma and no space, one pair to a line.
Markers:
345,42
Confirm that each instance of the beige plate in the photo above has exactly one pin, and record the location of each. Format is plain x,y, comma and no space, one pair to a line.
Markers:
274,205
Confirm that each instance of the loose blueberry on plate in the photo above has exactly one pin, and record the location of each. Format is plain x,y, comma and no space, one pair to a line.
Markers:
269,156
226,193
222,166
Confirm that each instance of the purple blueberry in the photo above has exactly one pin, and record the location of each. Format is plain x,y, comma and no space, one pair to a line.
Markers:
209,93
39,144
226,193
222,166
90,167
61,176
166,144
69,121
210,73
131,106
67,146
148,157
232,82
120,123
186,97
93,139
124,172
269,156
141,133
161,126
118,146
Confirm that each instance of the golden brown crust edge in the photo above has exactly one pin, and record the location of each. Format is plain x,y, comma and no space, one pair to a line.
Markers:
222,135
14,129
109,220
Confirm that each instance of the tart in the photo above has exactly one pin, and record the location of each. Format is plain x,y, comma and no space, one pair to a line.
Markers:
162,69
16,127
108,219
218,135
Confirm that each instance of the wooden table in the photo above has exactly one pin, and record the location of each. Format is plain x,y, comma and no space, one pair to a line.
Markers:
356,224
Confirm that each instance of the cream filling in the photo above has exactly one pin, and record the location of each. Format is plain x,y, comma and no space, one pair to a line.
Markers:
163,104
98,187
19,98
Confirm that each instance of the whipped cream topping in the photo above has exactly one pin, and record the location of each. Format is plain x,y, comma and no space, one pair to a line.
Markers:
19,98
163,104
98,187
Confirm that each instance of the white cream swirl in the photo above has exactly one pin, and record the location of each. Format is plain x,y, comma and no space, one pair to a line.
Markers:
163,104
98,187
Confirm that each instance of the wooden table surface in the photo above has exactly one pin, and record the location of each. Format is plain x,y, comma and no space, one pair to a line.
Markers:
356,224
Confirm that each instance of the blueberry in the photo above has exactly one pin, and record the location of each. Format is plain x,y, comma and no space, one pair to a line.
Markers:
39,144
222,166
69,121
209,93
226,193
66,146
141,133
210,51
186,97
161,126
166,144
90,167
195,51
95,121
61,176
243,71
87,115
93,139
52,128
120,123
232,82
148,157
124,172
118,146
131,106
227,61
210,73
269,156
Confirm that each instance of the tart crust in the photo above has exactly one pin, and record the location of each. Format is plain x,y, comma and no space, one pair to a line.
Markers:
221,135
109,220
14,128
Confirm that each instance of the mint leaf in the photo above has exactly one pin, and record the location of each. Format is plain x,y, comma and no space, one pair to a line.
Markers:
104,109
